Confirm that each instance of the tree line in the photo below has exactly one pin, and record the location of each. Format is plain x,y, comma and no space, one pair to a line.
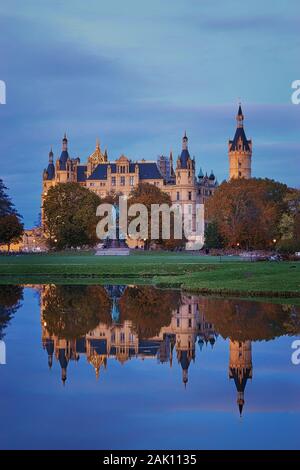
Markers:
254,214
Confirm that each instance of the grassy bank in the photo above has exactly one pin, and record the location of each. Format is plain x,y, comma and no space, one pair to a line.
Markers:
203,274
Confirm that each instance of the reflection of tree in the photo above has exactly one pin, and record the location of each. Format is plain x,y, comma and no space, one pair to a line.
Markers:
148,308
10,297
242,320
72,311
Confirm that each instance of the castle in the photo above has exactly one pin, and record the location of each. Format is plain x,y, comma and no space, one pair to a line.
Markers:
185,188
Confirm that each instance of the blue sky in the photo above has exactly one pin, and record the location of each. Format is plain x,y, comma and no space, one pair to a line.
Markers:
137,74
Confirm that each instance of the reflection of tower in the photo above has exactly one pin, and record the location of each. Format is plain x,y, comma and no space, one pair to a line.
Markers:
185,325
240,368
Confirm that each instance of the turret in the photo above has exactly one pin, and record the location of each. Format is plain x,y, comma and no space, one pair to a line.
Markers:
240,151
185,168
64,156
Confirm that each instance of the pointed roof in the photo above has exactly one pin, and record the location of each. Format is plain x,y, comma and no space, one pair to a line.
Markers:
240,136
212,176
240,112
200,174
97,156
185,156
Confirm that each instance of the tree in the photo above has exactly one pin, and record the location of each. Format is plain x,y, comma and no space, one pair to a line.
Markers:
72,311
148,194
148,308
213,238
6,205
70,216
248,212
289,226
10,301
11,229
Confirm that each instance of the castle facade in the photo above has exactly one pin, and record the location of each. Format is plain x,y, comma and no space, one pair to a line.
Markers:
185,187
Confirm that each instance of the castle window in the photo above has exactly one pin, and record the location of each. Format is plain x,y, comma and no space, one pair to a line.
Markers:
178,323
240,174
190,323
122,180
190,308
178,196
131,180
113,181
190,195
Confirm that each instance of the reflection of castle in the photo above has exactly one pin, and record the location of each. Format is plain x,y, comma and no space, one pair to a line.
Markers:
119,341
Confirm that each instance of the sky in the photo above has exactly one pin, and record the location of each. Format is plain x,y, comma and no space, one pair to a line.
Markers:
138,74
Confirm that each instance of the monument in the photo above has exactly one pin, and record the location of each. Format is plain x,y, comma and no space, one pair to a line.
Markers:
115,242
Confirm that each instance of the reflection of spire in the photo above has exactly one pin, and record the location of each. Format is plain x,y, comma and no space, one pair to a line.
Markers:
184,358
63,364
97,360
50,349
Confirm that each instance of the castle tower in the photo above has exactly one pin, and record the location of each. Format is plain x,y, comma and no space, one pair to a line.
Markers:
240,151
184,191
240,368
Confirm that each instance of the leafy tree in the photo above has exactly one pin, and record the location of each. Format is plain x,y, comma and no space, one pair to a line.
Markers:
248,212
11,227
289,225
70,216
6,205
10,301
213,238
72,311
148,194
148,308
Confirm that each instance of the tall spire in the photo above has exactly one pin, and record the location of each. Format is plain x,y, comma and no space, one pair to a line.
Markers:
184,141
240,117
65,143
51,155
97,144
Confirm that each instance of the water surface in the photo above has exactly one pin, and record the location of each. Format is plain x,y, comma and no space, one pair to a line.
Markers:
128,367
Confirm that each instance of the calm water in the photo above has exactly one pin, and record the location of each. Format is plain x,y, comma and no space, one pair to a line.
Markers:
132,367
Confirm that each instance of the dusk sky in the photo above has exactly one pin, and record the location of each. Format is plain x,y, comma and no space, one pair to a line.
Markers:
138,74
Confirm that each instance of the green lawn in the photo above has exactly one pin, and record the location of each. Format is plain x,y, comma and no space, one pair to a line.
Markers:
190,271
